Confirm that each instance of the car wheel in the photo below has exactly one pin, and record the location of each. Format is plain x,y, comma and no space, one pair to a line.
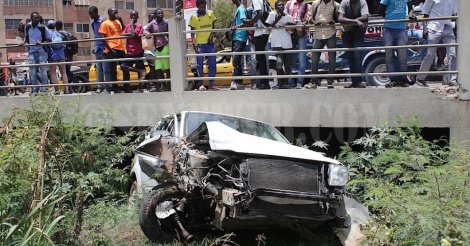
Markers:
158,230
377,65
273,74
133,194
79,88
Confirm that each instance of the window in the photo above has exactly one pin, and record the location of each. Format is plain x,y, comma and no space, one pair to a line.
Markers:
151,3
164,4
81,2
67,2
119,4
68,27
84,51
130,5
43,3
12,23
82,27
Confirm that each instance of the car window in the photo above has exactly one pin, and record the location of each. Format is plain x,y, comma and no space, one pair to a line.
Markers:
171,127
251,127
164,123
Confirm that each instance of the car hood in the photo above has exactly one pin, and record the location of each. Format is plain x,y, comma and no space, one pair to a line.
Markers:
224,138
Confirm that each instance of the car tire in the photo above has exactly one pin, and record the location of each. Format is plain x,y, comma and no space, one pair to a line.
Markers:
153,228
377,65
79,88
133,194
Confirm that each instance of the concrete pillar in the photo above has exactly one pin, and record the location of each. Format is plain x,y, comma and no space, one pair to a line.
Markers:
463,58
178,62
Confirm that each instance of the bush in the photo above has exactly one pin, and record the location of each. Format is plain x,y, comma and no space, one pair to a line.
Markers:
47,148
414,188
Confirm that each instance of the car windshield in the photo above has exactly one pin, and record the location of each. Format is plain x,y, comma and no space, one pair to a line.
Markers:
255,128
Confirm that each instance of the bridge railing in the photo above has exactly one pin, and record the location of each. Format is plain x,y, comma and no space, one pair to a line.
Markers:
179,57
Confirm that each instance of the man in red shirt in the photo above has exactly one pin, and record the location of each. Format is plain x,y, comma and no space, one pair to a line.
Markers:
134,48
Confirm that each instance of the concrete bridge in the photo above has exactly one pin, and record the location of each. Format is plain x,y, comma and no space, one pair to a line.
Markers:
293,108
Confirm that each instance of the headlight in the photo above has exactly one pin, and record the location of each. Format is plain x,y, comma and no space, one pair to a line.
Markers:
337,175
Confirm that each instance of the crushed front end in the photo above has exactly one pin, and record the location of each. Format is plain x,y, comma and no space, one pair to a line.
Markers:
271,191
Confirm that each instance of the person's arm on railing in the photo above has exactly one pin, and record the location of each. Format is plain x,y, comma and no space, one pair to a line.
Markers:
104,35
360,22
411,12
426,11
382,9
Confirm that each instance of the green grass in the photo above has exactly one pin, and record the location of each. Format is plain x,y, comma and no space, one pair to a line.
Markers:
108,223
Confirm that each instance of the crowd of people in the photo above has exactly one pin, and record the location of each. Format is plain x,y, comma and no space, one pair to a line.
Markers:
324,15
279,29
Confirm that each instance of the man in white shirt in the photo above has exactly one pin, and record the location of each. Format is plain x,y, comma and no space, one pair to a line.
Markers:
260,40
281,40
439,30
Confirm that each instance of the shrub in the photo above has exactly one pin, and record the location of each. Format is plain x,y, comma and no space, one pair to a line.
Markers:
414,188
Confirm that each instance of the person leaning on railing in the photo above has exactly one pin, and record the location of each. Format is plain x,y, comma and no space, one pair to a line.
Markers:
203,42
354,15
134,48
437,31
323,14
395,35
260,40
35,33
115,48
239,38
57,54
102,68
160,42
281,40
150,53
298,9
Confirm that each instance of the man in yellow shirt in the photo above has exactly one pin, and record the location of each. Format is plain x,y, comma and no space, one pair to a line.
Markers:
203,42
115,48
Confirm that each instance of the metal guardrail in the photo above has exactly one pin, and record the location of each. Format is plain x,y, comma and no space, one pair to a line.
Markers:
85,61
323,50
341,75
338,25
79,41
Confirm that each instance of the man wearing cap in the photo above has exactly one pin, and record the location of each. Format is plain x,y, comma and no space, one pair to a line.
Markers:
57,54
203,42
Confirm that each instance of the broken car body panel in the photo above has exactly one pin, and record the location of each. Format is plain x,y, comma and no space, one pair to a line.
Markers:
234,173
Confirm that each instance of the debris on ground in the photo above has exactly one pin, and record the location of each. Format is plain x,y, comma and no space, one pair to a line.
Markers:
446,92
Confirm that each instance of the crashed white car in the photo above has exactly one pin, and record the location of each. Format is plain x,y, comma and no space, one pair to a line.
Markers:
206,170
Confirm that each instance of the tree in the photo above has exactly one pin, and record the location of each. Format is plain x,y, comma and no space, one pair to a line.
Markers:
224,13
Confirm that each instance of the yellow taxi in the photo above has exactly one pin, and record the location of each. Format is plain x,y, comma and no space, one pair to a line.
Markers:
224,69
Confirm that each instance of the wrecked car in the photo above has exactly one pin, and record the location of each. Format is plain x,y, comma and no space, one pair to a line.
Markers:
206,170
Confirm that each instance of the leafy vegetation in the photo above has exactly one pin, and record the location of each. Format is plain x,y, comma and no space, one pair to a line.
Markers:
59,184
224,13
416,191
51,162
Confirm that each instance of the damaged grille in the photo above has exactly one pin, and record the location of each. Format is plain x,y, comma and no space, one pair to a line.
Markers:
283,175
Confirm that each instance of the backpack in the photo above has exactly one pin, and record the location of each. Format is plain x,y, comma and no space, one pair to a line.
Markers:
56,39
71,49
266,9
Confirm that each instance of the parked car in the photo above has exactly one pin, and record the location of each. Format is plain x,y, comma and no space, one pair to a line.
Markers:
224,68
200,169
